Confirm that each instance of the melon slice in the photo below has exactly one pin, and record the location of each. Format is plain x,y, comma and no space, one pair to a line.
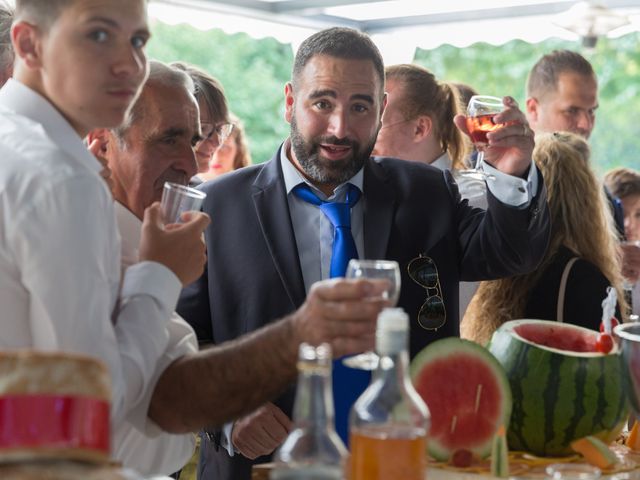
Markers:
633,440
467,393
563,389
595,452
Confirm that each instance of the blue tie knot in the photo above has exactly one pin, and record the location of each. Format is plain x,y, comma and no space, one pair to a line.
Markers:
339,214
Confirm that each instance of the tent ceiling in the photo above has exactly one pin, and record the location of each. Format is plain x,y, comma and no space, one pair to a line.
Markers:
398,26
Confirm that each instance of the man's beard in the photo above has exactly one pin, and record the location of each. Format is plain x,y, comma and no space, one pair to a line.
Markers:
328,172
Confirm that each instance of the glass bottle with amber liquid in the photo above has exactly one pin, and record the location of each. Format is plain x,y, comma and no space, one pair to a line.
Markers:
313,450
389,422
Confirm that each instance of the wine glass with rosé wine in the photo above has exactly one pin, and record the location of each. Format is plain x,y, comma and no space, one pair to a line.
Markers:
480,113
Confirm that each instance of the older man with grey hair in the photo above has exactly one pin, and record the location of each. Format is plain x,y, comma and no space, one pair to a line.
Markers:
194,389
6,50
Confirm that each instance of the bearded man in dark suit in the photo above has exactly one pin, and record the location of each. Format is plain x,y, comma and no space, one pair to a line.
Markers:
268,244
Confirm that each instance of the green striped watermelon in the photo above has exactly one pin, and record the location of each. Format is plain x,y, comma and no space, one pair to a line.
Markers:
562,388
467,393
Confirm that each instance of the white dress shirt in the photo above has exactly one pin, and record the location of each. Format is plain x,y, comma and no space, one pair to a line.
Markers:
471,188
60,283
163,453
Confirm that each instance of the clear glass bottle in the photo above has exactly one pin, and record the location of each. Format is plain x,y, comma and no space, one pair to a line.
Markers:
313,450
389,422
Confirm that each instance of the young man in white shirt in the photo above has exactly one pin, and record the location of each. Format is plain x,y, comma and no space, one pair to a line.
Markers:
79,65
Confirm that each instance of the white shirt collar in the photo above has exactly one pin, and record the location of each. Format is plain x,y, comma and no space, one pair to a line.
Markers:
443,162
26,102
293,178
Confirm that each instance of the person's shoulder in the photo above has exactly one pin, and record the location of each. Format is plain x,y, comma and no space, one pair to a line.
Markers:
26,143
584,269
407,169
232,180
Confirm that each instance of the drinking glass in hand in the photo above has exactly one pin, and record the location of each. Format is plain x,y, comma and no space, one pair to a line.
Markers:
177,199
480,113
374,269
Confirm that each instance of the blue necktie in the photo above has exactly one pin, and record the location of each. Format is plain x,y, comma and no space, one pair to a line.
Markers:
348,383
339,214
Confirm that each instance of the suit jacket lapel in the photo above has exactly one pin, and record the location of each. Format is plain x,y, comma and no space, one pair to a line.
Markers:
379,207
272,209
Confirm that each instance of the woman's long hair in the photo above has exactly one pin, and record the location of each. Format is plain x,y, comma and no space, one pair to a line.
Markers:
581,221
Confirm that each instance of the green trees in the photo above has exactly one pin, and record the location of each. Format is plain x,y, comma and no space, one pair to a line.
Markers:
254,73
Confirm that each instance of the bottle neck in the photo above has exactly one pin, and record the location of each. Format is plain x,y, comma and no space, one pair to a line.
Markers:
313,406
393,364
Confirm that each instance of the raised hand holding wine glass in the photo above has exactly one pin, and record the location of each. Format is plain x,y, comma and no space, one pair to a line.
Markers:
508,145
388,270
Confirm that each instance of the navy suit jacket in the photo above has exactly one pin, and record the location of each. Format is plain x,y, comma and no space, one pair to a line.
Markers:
253,274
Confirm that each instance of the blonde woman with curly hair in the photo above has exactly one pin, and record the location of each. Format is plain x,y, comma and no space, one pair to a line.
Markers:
583,244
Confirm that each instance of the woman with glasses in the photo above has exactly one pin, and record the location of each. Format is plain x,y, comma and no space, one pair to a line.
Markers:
583,249
232,154
214,115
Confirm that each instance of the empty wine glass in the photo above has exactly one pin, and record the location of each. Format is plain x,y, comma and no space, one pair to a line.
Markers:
374,269
480,113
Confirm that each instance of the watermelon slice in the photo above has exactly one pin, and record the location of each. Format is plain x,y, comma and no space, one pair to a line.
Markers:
563,388
467,393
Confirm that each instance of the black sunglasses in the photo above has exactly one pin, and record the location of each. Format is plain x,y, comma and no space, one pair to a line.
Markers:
423,271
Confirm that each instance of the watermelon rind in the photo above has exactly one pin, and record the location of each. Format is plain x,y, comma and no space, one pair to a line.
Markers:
457,385
559,396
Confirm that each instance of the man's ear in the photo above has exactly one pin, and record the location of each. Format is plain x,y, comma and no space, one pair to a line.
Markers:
288,102
532,109
99,141
27,43
422,129
383,105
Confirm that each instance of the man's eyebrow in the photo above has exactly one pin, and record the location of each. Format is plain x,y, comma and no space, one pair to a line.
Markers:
331,93
113,24
323,93
362,96
106,20
173,132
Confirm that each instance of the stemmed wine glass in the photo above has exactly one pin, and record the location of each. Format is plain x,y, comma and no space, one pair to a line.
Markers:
374,269
480,113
